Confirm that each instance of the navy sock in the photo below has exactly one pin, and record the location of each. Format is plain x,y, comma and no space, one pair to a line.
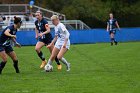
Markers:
2,65
57,61
41,56
16,66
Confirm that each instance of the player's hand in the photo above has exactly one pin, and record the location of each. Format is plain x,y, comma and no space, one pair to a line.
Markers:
64,46
50,45
41,34
13,36
18,45
36,36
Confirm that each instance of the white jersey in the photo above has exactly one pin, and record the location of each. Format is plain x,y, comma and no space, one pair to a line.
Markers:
62,33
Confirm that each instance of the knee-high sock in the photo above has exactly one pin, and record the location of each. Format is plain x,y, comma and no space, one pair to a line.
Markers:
64,61
57,61
2,64
41,56
15,64
49,62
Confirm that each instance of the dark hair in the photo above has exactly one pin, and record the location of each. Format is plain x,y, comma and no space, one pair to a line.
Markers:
4,18
17,20
39,12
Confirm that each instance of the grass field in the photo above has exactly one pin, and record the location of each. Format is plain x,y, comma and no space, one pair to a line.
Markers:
95,68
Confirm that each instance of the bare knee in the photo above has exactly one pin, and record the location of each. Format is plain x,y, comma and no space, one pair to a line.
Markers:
4,58
37,49
14,58
59,57
52,57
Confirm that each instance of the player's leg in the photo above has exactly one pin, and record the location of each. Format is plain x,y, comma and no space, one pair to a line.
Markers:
15,60
3,55
59,66
55,52
115,41
50,49
38,47
112,37
60,57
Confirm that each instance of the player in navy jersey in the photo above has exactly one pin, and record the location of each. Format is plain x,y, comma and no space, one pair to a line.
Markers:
7,36
111,28
44,38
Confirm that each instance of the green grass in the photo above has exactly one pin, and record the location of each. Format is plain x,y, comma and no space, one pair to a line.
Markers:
95,68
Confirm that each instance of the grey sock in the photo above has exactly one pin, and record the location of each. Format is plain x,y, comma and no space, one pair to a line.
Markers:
64,61
49,62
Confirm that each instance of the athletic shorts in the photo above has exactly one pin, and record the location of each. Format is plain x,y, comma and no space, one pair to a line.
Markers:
59,45
46,41
7,49
112,31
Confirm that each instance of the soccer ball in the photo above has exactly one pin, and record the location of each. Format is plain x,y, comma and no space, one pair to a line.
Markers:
48,68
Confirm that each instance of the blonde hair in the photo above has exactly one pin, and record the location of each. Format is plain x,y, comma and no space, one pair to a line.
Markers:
54,17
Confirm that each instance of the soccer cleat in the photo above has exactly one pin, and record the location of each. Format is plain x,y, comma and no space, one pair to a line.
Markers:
59,67
68,67
43,64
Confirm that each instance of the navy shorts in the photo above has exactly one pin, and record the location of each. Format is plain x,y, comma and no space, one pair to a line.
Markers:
7,49
112,31
46,41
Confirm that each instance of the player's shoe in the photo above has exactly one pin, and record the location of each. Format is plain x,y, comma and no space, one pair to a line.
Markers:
68,67
43,64
59,67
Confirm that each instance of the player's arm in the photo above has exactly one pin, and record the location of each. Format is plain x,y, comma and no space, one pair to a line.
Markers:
66,39
66,35
16,43
36,32
107,28
7,33
117,25
47,30
53,41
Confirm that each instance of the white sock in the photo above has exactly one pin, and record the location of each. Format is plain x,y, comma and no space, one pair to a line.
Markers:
49,62
64,61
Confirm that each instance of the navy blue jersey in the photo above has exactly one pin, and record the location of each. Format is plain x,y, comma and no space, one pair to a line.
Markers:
112,24
40,25
5,40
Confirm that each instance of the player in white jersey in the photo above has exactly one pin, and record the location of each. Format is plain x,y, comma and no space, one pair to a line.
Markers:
62,44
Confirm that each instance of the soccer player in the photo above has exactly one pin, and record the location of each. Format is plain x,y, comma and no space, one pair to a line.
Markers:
44,38
8,35
111,28
61,40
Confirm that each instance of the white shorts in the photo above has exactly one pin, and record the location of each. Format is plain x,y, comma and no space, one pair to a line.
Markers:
59,45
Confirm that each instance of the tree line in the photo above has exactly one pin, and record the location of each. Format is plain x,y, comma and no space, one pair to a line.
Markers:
95,13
